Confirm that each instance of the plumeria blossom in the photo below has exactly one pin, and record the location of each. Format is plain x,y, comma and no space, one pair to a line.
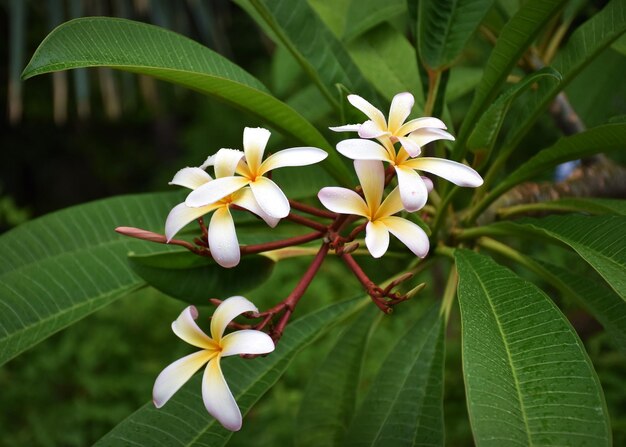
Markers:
252,169
413,187
216,395
222,237
379,213
412,134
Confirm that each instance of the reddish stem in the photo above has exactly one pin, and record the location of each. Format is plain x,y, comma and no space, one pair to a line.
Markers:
267,246
306,222
312,210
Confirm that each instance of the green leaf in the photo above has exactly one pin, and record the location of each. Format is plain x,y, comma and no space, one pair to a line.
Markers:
194,279
528,378
599,139
600,240
569,205
606,307
445,27
183,421
295,25
363,15
585,44
383,54
484,135
150,50
61,267
329,402
462,81
405,403
515,38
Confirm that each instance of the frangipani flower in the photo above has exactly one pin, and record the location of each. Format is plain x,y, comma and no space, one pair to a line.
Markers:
371,175
222,238
217,397
413,188
251,172
412,135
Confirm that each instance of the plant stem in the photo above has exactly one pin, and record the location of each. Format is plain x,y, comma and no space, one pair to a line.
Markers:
450,292
266,246
306,222
433,85
312,210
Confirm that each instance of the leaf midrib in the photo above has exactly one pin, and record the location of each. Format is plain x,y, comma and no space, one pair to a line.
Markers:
510,359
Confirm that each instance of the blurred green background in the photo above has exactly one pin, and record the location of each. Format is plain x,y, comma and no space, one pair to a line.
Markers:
84,135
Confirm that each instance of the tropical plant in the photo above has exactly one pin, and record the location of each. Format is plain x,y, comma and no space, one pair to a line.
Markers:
511,250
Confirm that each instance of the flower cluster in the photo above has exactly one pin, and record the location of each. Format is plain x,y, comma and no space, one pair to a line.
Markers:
239,181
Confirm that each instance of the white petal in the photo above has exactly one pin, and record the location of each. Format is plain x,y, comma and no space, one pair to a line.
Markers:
422,137
371,174
391,205
226,312
247,341
410,234
270,197
191,178
413,191
358,149
186,328
215,190
372,112
457,173
176,375
295,156
420,123
370,129
181,215
410,146
210,161
429,184
223,239
217,397
342,200
401,106
346,128
254,142
376,238
245,199
226,160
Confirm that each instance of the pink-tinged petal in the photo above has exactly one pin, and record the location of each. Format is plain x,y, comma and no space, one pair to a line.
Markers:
422,137
457,173
391,205
371,174
343,201
226,161
181,215
410,146
429,184
372,112
218,399
247,341
370,129
191,178
245,199
409,234
270,197
413,191
223,238
215,190
376,238
419,123
254,142
186,328
226,312
176,375
358,149
401,106
346,128
295,156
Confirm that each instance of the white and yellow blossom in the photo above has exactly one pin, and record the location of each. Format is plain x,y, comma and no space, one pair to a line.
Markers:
252,169
379,213
412,134
222,237
216,395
